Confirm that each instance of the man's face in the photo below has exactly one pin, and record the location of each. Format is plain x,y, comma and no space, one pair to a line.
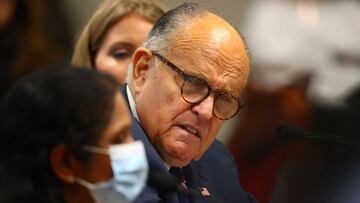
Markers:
180,131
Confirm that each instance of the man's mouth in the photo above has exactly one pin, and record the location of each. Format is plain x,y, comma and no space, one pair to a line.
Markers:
190,130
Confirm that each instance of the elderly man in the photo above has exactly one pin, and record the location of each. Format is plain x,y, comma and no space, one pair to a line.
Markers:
184,83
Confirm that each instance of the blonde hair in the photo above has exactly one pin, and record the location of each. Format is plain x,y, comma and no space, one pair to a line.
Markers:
106,15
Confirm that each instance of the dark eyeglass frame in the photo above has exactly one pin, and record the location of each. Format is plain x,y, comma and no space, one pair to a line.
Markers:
187,77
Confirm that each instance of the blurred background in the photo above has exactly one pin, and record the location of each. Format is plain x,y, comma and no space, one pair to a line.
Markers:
305,72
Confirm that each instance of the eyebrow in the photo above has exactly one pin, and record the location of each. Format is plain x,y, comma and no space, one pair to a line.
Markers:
121,44
226,88
200,76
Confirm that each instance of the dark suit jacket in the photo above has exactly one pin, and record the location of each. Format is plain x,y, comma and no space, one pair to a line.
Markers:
216,171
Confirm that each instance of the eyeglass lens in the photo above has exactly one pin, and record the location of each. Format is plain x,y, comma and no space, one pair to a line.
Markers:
195,90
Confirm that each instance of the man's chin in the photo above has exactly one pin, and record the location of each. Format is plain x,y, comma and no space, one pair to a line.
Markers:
178,154
198,156
177,161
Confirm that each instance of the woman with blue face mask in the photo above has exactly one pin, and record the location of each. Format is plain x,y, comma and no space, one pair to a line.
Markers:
65,138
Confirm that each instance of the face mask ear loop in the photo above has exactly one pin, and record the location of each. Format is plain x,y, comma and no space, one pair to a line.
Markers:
84,183
96,150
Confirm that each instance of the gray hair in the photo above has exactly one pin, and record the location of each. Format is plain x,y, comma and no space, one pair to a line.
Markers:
172,22
163,32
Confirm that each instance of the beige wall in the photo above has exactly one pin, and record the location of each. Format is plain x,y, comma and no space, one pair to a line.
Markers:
80,11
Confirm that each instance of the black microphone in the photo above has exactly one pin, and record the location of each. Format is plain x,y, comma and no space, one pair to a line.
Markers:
296,133
167,183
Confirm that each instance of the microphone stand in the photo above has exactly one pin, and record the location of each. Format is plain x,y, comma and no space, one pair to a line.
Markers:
293,132
342,139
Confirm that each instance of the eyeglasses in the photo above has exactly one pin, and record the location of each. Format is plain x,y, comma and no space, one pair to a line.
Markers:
195,90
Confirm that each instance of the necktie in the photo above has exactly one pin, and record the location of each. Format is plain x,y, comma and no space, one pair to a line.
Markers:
179,174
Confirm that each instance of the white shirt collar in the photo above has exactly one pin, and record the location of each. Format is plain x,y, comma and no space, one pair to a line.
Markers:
131,103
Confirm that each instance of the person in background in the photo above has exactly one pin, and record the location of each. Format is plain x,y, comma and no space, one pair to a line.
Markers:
33,34
65,138
185,82
113,33
286,89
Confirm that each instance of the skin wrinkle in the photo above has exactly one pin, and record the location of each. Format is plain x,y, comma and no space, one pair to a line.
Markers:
176,94
170,75
197,45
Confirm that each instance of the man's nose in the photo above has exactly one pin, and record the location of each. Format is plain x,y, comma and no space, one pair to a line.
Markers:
205,108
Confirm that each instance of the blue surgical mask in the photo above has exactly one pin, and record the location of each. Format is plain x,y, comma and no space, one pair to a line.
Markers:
130,170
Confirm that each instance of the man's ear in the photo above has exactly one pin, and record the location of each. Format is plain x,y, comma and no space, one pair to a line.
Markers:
60,163
140,60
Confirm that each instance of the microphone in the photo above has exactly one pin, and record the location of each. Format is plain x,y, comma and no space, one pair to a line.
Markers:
167,183
296,133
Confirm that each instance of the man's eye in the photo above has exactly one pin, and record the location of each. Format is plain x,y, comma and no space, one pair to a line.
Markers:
121,55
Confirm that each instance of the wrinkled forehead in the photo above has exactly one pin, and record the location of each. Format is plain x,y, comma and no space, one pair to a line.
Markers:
213,50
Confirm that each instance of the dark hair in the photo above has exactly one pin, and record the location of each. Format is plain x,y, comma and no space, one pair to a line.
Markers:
57,105
36,34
